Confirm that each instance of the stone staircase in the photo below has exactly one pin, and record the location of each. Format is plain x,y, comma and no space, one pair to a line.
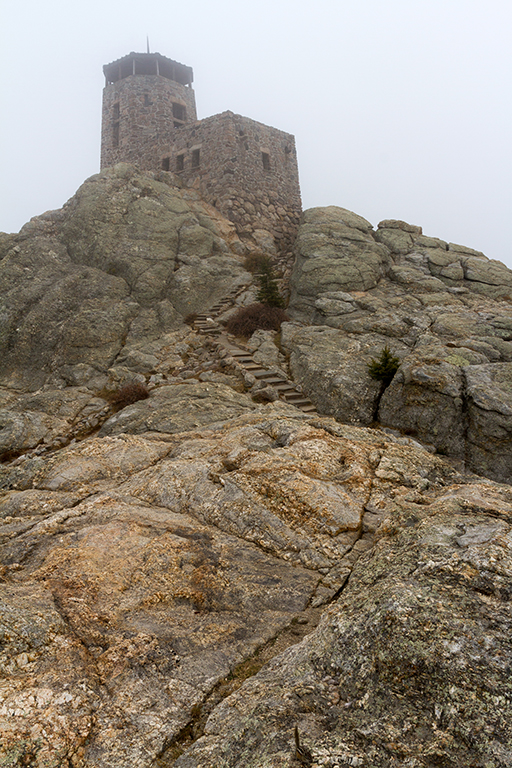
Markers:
286,388
205,323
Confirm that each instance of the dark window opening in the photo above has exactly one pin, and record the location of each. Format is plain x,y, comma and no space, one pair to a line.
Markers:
265,159
195,158
147,100
179,111
177,125
116,110
115,135
166,164
180,162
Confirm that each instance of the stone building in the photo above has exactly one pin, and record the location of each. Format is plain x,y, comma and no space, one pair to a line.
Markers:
247,170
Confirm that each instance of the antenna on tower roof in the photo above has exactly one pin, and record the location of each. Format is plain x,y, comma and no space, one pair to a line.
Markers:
147,42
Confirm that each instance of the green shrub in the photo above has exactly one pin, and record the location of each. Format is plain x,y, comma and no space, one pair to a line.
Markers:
269,292
384,368
256,317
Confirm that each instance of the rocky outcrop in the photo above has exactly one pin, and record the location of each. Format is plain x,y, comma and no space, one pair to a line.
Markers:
443,309
139,571
406,668
179,407
208,575
122,263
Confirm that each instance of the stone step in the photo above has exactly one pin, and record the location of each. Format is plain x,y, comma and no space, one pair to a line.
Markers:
304,405
294,395
207,326
266,374
237,352
252,367
281,384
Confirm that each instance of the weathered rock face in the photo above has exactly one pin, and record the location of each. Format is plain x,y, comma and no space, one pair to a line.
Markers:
148,569
140,570
329,247
406,668
444,309
124,261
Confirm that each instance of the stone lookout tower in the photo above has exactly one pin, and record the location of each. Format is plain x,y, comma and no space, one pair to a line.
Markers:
246,169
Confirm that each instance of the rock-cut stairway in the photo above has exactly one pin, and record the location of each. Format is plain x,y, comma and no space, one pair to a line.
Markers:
286,388
205,323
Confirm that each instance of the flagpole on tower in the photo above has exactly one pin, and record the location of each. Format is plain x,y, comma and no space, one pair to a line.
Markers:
147,43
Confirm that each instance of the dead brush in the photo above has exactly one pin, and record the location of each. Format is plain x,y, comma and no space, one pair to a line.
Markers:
256,317
128,394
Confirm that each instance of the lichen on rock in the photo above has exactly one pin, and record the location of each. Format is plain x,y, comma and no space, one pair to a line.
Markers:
208,577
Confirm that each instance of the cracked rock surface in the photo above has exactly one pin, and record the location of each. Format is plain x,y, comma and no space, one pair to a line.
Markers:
138,572
407,668
196,579
445,310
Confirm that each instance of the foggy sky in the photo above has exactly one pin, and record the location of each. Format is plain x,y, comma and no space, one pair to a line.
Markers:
400,108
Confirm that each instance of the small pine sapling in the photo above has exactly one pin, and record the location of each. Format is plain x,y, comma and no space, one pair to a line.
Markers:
384,368
268,293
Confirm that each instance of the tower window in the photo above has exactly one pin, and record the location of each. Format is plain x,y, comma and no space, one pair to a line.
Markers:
179,111
195,158
116,110
115,135
147,100
180,162
265,159
166,164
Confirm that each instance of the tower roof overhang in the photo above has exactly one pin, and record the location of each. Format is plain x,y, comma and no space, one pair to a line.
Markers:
147,64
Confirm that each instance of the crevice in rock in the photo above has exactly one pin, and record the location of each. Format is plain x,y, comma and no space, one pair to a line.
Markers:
375,414
465,418
299,627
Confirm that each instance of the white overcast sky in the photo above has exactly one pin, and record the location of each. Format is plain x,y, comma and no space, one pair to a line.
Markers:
401,108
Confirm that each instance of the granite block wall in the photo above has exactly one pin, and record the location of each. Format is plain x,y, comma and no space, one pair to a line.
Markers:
140,116
246,169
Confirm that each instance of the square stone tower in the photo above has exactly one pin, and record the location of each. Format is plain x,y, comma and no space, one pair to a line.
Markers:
146,98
